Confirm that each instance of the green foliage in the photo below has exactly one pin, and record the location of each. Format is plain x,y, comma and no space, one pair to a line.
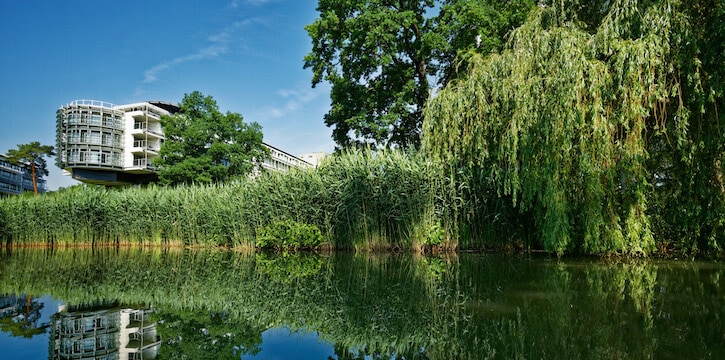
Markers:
466,306
205,146
33,154
195,335
480,26
379,56
287,234
360,199
285,267
375,56
579,126
435,235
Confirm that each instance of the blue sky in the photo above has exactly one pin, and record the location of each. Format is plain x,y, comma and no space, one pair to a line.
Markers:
247,54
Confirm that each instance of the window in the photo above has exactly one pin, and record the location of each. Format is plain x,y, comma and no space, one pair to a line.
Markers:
75,136
89,344
95,119
95,137
93,157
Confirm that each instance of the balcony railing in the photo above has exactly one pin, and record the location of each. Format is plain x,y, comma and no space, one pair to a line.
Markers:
10,167
141,163
93,140
145,145
94,120
92,103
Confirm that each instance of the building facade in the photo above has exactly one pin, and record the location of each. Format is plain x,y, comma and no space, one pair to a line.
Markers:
15,179
107,144
103,143
280,160
314,158
103,334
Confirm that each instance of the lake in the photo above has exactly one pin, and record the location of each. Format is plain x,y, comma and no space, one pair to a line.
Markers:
213,304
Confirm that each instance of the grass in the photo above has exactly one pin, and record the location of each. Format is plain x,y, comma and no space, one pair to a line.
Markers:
361,200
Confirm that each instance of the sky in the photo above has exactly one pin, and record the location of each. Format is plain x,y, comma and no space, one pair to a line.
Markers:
247,54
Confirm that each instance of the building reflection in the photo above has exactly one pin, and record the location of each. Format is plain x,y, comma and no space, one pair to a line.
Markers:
102,331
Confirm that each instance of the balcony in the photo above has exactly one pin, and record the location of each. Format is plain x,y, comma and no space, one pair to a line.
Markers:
141,128
143,146
94,120
10,167
143,164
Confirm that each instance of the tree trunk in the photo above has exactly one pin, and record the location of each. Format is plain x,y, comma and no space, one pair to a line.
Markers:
32,175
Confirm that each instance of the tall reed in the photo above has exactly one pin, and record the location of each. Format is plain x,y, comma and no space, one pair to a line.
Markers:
360,199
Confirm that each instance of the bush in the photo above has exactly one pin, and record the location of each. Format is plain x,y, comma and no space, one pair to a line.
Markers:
287,234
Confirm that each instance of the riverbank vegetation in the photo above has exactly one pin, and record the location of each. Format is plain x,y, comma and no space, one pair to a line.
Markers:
452,307
591,132
362,200
606,130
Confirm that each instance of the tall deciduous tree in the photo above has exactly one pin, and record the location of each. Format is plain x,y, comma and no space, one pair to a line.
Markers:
204,145
375,55
33,155
597,125
382,58
464,27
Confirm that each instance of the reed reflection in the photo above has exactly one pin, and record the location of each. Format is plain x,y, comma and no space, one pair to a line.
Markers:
466,306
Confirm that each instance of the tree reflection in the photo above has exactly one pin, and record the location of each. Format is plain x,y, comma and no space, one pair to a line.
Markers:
20,314
216,304
194,335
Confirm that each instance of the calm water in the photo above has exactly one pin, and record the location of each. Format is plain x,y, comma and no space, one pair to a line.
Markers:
174,304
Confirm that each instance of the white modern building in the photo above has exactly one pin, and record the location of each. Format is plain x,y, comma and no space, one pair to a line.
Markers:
280,160
103,334
103,143
314,158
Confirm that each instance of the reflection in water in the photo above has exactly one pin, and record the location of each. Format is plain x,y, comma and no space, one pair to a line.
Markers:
102,332
222,305
20,315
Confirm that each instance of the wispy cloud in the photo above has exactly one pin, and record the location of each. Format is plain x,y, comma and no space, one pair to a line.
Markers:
217,45
235,3
293,100
209,52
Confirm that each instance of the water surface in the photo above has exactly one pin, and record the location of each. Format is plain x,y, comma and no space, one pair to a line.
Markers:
172,304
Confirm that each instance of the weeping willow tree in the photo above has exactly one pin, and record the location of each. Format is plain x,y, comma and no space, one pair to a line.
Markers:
594,128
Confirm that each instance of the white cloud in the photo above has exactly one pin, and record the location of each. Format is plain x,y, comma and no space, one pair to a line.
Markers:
295,99
218,45
235,3
209,52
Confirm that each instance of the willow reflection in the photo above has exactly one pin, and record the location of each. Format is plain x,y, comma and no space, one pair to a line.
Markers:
467,306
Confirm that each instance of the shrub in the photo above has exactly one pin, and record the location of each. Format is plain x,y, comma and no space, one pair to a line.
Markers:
287,234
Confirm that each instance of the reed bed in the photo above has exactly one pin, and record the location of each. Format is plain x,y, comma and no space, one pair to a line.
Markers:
362,200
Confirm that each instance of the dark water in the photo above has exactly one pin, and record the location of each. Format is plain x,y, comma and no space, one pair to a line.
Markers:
175,304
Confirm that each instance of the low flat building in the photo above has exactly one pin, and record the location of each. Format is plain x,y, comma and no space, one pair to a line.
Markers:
280,160
16,179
